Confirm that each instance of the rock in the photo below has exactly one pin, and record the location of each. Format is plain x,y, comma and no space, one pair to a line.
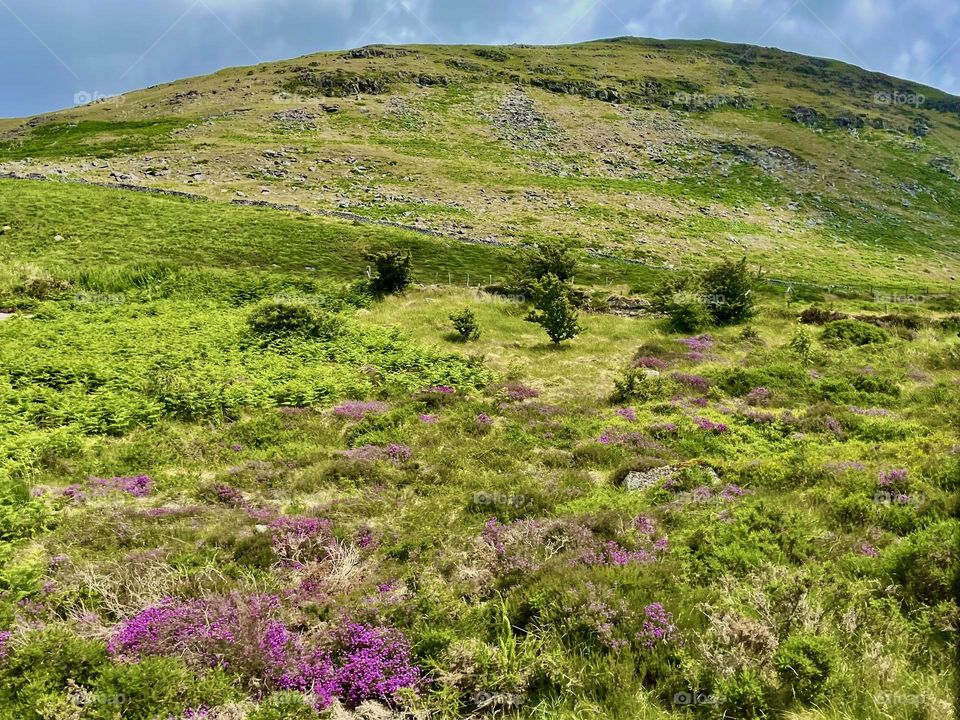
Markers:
241,194
641,480
804,115
58,238
6,228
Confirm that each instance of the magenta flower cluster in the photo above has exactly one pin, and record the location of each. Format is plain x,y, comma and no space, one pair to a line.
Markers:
354,663
758,396
663,429
696,382
709,425
699,343
657,627
892,478
358,410
5,636
137,485
517,391
299,539
628,413
651,363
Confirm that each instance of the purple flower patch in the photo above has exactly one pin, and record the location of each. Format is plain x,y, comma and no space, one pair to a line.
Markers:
137,485
709,425
358,410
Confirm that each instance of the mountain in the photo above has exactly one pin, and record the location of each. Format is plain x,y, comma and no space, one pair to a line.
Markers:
665,152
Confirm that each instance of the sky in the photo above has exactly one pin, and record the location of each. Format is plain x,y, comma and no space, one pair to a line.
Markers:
58,53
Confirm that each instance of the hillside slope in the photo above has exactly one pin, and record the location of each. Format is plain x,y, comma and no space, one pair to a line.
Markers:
671,153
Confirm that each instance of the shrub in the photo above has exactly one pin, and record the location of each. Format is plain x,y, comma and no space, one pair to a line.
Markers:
393,273
639,384
157,687
42,664
465,323
808,665
814,315
553,310
547,258
841,334
283,318
681,299
729,292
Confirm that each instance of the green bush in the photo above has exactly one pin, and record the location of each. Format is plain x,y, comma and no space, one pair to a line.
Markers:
284,706
729,291
393,271
465,323
283,318
553,310
640,385
808,665
546,258
841,334
925,564
37,669
681,299
157,687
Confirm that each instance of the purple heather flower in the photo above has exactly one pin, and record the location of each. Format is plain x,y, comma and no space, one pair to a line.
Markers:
517,391
658,625
398,453
696,382
428,419
661,429
758,396
732,491
358,410
650,363
890,478
700,343
709,425
628,413
643,524
138,485
5,636
868,550
484,420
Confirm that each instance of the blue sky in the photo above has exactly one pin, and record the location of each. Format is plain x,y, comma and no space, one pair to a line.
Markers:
51,50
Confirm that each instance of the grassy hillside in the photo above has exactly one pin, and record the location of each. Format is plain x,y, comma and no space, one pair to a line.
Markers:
238,483
668,152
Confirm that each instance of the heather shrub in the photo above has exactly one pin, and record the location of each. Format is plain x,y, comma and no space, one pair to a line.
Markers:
809,665
281,318
393,272
841,334
465,324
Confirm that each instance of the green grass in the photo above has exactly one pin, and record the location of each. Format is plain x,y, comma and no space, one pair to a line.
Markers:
100,139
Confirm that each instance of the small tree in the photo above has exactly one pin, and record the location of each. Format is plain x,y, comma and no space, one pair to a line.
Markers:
547,258
465,323
392,271
728,291
553,309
